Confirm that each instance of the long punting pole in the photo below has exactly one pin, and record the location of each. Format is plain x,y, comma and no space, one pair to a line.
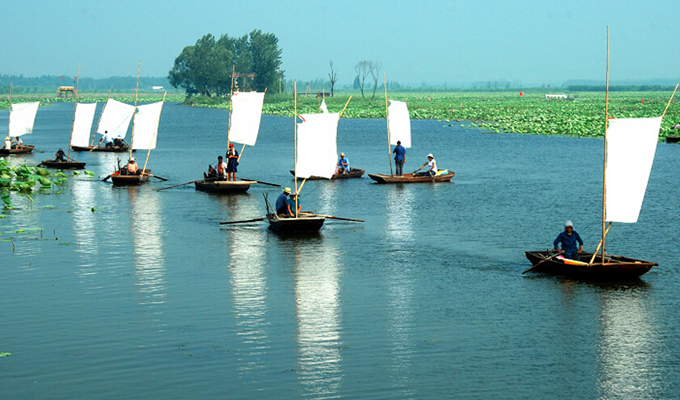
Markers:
669,101
387,120
154,134
75,105
343,109
132,135
295,143
100,116
9,116
604,181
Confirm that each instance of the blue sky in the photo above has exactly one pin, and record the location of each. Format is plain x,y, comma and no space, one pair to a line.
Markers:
530,41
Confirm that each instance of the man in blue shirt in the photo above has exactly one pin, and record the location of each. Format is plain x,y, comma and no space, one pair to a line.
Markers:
568,238
292,200
399,158
343,165
282,202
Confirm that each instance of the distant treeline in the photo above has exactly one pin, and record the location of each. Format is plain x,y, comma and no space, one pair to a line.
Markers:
620,88
51,83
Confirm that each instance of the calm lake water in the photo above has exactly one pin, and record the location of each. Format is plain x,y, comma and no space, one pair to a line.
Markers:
148,296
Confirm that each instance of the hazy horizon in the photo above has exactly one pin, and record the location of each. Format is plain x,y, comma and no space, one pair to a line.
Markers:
533,43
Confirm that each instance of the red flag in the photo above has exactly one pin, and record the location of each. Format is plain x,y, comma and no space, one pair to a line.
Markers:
520,93
642,101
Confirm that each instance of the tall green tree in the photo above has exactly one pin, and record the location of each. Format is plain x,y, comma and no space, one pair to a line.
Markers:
266,56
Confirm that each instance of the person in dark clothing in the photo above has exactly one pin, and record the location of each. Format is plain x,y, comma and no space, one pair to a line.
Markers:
568,238
399,158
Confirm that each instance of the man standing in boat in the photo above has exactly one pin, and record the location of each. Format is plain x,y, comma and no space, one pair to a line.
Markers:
282,202
343,165
232,162
399,158
568,238
431,166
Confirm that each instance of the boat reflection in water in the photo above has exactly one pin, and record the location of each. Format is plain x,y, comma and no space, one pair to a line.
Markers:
400,287
317,307
248,282
629,353
85,229
146,226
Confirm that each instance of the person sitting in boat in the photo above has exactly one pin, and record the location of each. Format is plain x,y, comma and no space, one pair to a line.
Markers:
292,200
119,142
399,158
60,156
568,238
131,168
17,143
232,162
343,165
8,144
219,170
431,165
106,139
282,202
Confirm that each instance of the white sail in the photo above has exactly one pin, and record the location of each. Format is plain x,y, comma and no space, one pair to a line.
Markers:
22,118
82,124
631,145
245,117
399,123
115,118
146,126
316,147
323,107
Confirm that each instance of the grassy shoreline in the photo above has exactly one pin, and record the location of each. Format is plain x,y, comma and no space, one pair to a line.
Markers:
582,115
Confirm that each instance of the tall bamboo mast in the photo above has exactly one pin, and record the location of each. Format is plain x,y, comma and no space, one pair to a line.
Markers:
75,106
387,120
295,141
155,133
134,113
231,94
9,115
100,117
604,180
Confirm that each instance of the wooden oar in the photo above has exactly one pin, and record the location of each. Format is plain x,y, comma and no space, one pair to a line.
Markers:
157,177
181,184
243,222
541,262
332,217
107,178
264,183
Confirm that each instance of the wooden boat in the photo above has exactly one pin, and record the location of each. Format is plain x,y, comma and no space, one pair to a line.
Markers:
112,149
126,180
62,164
629,148
614,267
353,173
411,178
301,224
213,186
672,139
22,150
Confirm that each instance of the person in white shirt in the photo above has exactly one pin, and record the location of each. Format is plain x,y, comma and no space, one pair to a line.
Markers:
431,165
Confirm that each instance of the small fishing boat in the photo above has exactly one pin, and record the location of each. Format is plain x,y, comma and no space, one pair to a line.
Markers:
115,119
629,148
446,176
119,179
21,150
672,139
614,268
301,224
62,164
111,149
213,186
353,173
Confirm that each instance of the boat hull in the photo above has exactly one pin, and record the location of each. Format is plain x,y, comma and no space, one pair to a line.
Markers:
672,139
223,186
353,173
410,178
128,180
303,224
616,267
114,149
23,150
62,164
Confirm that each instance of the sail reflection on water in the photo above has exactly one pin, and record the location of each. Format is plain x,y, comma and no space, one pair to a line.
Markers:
400,202
629,352
317,306
146,225
247,268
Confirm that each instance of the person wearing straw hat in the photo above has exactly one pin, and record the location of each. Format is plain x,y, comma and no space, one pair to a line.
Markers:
232,162
291,205
343,165
282,202
431,166
568,238
131,168
8,143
